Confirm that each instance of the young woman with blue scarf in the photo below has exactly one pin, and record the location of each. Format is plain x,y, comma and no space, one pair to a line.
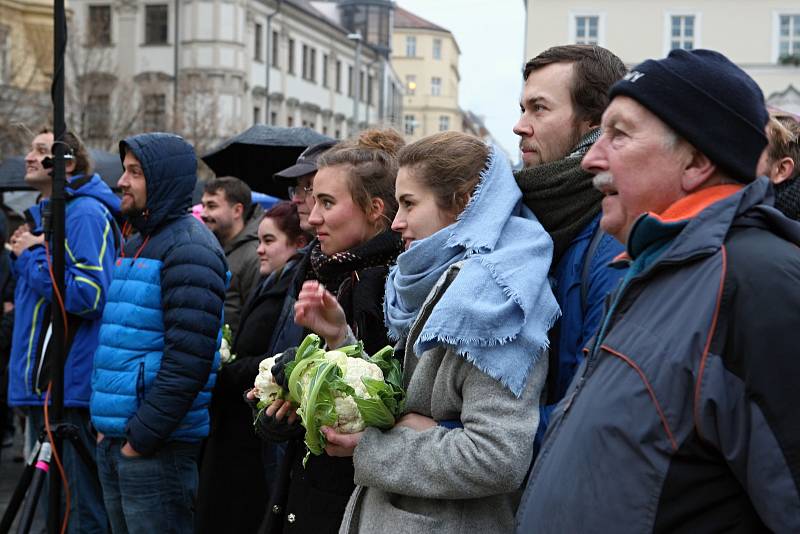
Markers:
470,305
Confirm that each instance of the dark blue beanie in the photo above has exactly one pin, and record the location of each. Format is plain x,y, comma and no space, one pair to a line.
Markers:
709,101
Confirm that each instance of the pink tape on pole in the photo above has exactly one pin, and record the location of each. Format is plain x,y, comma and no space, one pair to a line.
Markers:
44,466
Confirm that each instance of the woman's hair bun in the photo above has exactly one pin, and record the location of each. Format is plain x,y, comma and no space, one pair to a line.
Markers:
388,140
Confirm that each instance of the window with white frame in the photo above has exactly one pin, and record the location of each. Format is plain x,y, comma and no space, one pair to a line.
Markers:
100,24
5,53
409,124
154,113
156,24
411,46
258,44
98,110
444,123
290,58
309,63
436,86
788,35
682,32
587,29
276,41
437,49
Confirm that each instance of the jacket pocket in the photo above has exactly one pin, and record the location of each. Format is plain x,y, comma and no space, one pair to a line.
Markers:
140,385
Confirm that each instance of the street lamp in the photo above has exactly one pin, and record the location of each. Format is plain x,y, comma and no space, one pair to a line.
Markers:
356,76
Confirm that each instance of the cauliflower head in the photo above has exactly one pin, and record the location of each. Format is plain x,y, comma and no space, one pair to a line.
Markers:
349,420
266,389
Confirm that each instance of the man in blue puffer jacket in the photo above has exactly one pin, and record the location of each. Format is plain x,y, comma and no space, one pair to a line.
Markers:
92,239
156,362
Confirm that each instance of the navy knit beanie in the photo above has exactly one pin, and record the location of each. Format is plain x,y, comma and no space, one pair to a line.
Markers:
709,101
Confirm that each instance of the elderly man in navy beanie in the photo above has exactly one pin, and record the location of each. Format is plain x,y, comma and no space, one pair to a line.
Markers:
682,417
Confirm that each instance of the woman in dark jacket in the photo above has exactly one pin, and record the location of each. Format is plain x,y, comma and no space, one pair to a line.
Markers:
231,492
354,193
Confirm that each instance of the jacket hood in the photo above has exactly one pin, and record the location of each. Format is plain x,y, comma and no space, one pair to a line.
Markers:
250,230
93,186
170,169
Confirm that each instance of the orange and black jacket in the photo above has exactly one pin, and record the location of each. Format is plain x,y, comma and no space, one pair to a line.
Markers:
683,418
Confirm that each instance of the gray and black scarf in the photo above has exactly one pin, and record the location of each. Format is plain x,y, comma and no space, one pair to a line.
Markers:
561,195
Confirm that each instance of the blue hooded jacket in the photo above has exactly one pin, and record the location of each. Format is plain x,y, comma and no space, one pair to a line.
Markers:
581,307
156,363
92,238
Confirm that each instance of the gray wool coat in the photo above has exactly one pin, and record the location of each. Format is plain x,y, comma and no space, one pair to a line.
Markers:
447,480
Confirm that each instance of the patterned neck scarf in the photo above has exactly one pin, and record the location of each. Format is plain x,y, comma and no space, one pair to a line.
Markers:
333,270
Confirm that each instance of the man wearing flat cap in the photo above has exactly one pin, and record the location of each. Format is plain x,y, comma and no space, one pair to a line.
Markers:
683,415
299,180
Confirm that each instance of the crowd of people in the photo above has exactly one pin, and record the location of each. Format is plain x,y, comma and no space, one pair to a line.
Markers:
597,342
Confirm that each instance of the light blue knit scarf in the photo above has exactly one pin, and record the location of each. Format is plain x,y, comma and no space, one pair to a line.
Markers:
497,311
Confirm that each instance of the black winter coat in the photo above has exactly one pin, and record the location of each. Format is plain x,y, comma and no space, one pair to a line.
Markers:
318,493
234,491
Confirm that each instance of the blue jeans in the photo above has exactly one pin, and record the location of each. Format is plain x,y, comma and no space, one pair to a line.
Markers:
87,513
149,493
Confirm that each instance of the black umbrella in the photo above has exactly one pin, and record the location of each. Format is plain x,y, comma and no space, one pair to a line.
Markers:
259,152
106,164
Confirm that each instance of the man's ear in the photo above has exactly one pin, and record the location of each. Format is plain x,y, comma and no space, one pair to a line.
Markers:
697,171
784,168
238,210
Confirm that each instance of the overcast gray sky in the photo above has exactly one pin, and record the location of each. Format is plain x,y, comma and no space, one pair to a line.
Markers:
491,36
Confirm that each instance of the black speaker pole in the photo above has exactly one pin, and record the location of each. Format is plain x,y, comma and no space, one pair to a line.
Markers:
56,409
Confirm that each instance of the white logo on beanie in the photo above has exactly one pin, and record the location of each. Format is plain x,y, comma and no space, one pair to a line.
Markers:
633,76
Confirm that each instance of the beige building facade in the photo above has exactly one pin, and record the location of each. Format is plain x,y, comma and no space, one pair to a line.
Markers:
761,36
425,57
26,67
26,44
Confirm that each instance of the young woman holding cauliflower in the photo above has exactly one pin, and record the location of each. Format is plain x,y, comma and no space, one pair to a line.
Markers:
355,203
232,463
470,303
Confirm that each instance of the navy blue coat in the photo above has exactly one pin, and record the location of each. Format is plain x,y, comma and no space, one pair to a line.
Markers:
155,367
581,310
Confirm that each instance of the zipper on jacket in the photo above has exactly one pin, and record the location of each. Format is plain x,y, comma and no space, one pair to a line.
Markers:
140,385
591,364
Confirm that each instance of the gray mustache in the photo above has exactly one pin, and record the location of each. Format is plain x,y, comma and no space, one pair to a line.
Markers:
602,180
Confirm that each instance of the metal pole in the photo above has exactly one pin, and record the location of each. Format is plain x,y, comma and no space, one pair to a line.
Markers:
176,66
56,410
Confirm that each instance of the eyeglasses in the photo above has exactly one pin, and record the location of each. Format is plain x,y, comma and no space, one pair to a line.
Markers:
299,192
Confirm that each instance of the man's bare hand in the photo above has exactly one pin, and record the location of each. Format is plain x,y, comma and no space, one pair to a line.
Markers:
128,451
282,408
24,241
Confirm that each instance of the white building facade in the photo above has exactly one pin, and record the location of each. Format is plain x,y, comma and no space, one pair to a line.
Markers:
204,68
761,36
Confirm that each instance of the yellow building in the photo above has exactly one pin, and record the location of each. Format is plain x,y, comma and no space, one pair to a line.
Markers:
761,36
425,57
26,44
